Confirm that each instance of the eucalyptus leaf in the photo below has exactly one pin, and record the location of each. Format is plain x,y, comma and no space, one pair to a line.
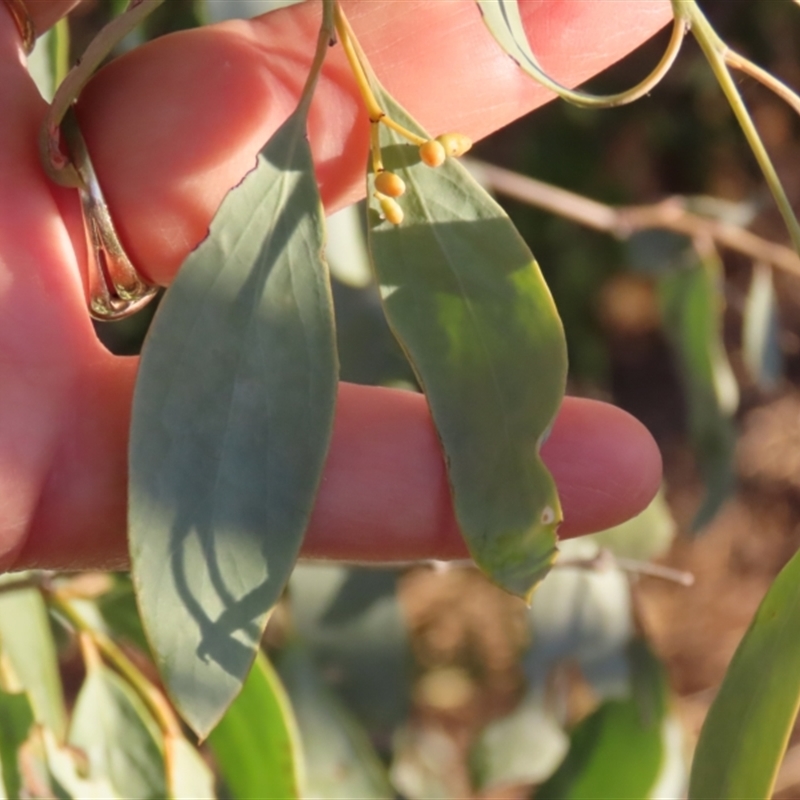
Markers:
761,348
747,729
618,751
256,744
468,303
188,775
232,417
339,757
521,748
692,307
112,726
26,640
352,624
16,719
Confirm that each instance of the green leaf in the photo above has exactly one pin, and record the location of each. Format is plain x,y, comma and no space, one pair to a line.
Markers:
466,300
231,423
748,726
256,743
188,776
618,751
692,301
646,536
111,725
352,624
523,747
26,640
761,348
68,773
118,610
16,718
340,760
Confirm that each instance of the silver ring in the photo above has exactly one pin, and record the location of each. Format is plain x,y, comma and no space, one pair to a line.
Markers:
116,289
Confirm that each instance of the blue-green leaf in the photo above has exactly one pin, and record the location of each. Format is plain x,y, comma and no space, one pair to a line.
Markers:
231,423
618,751
745,734
467,301
340,760
256,743
692,303
352,624
761,347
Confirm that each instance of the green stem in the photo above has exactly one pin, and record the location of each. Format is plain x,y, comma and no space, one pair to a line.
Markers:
55,163
715,51
156,702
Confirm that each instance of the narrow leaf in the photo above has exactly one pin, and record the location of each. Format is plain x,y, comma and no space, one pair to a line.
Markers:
231,422
111,725
16,718
468,303
26,640
692,302
188,776
761,347
748,726
618,751
340,760
256,744
352,624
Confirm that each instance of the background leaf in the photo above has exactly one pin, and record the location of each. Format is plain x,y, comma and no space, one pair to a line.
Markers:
256,743
111,725
748,726
231,422
618,751
188,775
26,640
16,719
459,285
340,760
692,303
761,348
352,625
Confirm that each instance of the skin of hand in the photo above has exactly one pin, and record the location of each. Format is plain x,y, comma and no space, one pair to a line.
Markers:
171,127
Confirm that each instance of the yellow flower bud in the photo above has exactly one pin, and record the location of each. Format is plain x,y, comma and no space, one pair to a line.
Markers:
432,153
389,184
391,209
455,144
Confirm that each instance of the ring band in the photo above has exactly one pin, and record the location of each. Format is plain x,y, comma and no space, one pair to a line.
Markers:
116,289
22,19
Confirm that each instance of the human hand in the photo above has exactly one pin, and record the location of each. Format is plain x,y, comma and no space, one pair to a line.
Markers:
171,127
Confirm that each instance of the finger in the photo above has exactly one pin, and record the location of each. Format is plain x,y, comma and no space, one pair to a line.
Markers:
384,494
173,125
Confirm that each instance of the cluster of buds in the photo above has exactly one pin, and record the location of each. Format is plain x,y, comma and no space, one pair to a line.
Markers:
433,152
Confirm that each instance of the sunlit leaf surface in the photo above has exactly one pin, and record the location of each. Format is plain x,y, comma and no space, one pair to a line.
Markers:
231,423
468,304
26,640
747,729
256,744
16,718
111,725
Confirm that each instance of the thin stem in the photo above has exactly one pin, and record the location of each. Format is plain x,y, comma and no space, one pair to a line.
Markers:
358,65
622,221
587,100
375,148
605,559
20,584
55,163
738,61
715,51
324,38
156,703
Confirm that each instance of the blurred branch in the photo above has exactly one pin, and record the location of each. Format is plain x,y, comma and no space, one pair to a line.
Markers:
622,221
605,559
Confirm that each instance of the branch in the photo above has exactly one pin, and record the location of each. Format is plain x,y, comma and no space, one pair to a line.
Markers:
623,221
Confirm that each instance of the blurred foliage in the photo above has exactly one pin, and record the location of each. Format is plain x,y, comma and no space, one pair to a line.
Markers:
383,694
